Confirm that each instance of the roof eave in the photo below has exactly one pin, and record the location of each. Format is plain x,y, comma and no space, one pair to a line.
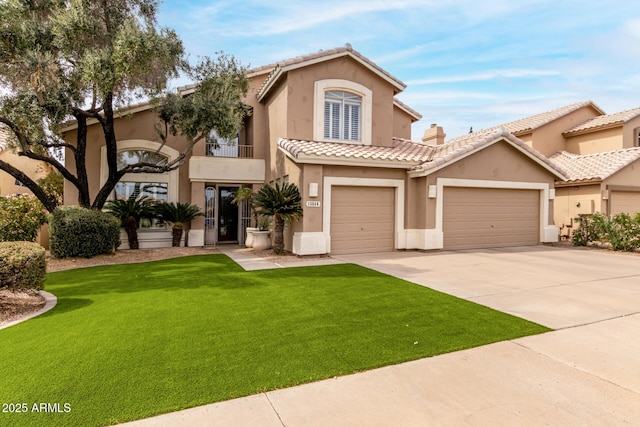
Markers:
412,113
613,125
117,114
313,159
578,182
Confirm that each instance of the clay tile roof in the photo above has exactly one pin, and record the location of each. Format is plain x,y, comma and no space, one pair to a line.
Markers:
402,151
605,120
596,166
527,124
278,67
460,146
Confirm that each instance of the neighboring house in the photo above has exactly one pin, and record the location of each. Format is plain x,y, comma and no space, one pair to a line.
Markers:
599,152
330,123
8,184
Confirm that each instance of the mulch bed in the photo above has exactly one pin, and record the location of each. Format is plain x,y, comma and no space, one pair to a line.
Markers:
14,305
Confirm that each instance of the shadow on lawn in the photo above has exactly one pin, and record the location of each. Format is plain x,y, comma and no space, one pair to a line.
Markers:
192,272
69,304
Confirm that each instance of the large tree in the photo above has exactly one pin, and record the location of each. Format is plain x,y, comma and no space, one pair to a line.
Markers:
78,61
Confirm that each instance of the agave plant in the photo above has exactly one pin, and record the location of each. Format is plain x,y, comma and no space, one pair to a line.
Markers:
282,202
129,212
178,214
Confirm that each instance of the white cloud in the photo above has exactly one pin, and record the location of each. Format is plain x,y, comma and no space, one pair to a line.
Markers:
488,75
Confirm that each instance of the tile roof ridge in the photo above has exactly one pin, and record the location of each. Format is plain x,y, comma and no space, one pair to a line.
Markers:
522,122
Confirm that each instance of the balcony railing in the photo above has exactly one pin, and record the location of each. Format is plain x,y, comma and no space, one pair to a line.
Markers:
214,149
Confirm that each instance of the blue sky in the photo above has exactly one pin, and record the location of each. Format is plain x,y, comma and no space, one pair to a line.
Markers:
466,63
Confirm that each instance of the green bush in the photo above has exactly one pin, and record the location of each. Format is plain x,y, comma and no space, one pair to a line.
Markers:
21,216
621,232
22,265
75,231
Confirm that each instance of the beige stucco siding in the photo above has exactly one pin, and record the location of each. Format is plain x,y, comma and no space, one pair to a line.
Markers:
596,141
572,201
630,133
300,98
630,175
548,139
277,111
32,168
401,124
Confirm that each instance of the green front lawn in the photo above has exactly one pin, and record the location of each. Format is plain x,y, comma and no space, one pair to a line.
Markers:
131,341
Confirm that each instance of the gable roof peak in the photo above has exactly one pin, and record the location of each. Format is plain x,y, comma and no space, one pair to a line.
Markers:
595,166
604,121
280,68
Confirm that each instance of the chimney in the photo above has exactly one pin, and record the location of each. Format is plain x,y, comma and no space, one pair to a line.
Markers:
434,135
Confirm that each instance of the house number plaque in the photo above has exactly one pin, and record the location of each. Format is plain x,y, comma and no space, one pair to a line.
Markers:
313,204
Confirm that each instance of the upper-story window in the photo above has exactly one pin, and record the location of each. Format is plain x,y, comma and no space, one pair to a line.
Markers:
342,112
342,116
638,137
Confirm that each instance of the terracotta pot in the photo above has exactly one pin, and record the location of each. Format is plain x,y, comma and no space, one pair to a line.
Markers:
261,240
248,241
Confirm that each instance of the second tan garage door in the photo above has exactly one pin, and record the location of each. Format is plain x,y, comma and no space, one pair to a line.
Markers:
490,217
362,219
625,201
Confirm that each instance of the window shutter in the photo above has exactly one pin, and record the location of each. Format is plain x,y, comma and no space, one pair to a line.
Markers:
355,123
335,120
327,119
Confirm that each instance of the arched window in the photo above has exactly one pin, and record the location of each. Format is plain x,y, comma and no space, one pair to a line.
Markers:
163,187
131,157
342,112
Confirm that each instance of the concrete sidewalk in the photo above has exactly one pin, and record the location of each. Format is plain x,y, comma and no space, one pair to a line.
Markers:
583,374
247,259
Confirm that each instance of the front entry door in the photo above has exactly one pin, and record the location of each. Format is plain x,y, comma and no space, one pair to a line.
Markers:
227,215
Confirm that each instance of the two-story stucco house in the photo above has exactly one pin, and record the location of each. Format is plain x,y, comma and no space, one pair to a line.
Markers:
331,123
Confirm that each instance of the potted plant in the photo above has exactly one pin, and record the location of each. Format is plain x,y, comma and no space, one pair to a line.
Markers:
262,235
283,203
244,194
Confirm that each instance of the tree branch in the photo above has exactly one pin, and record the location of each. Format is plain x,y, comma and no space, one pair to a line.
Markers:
47,200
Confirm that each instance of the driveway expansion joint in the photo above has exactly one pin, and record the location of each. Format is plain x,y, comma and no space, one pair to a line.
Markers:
274,409
574,366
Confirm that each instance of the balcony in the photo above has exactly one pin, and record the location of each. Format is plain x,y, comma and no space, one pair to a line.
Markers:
215,149
227,163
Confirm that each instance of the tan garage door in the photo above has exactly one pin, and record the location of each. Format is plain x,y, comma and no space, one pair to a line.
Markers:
362,219
490,217
625,201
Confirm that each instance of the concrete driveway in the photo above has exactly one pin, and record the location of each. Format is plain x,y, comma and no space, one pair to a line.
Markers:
586,373
557,287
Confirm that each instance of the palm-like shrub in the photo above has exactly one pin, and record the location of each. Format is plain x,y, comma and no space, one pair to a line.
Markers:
178,214
129,212
283,203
